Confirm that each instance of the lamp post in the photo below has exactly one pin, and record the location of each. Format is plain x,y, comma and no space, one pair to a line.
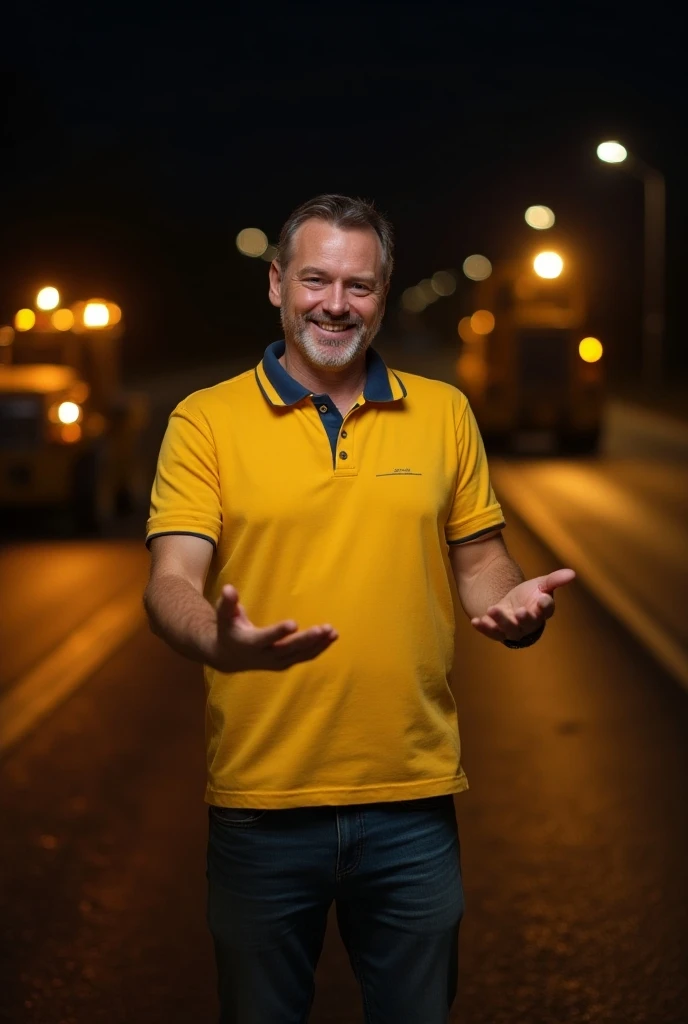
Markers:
654,258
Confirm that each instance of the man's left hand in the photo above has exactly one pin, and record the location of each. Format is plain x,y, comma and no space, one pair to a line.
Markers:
524,609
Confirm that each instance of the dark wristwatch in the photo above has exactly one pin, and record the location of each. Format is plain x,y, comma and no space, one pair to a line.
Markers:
526,641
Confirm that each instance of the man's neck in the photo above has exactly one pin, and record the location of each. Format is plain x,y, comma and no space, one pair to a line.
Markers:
343,384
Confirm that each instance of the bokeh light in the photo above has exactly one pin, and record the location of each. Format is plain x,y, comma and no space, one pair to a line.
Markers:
96,314
590,350
252,242
24,320
270,254
548,264
612,152
115,313
444,282
68,412
62,319
412,300
47,298
482,322
6,335
466,332
477,268
539,217
425,287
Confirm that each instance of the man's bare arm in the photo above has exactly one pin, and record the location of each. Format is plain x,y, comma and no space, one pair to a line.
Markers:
223,637
484,572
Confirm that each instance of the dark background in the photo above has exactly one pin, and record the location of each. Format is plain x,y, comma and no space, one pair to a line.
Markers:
135,145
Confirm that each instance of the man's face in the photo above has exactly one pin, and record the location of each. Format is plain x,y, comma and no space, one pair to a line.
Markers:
331,294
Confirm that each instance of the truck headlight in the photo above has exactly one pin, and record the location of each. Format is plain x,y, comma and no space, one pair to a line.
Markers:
69,412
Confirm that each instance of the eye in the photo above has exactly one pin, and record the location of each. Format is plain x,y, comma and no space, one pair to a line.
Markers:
360,286
313,280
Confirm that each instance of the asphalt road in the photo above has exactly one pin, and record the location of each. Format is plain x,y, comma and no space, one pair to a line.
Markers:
574,838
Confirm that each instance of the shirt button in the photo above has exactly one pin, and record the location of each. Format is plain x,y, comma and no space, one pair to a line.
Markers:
323,408
343,434
343,455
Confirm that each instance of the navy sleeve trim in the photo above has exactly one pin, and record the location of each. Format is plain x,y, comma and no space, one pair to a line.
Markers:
473,536
180,533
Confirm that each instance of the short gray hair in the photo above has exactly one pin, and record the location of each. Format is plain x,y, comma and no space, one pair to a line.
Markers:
343,212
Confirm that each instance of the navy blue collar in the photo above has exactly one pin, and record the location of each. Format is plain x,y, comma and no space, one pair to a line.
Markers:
378,387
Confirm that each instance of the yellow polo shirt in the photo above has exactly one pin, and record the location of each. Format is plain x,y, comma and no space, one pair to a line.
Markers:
319,518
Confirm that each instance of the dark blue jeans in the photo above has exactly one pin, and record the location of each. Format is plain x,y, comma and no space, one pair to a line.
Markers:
393,870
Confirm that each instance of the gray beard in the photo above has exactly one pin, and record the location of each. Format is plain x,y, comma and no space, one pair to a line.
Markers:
334,353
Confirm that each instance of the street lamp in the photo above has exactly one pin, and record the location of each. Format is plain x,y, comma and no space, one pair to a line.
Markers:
654,258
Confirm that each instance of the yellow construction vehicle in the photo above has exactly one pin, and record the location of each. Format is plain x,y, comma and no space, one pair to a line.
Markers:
534,379
69,433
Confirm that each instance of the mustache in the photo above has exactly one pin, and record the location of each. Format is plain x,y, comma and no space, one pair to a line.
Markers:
348,320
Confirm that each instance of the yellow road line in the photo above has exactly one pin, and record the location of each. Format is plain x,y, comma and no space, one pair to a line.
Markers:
535,513
76,658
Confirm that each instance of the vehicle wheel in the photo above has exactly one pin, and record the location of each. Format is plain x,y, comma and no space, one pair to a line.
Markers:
92,504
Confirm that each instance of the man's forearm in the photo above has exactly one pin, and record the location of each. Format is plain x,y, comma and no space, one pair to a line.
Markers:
181,617
490,585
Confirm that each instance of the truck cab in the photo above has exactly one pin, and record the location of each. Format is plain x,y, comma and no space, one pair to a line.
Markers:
69,433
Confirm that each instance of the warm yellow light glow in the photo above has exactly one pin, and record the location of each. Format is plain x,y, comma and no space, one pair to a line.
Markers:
115,313
444,282
6,336
548,264
24,320
539,217
47,298
252,242
612,152
466,332
68,412
482,322
62,319
96,314
412,300
270,254
477,268
70,432
590,350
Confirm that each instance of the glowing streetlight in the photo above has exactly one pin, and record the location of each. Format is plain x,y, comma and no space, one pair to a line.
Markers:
539,217
482,322
654,256
548,264
62,319
612,152
48,298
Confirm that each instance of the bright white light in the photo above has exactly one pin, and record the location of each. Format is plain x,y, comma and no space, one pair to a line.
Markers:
96,314
539,217
548,264
68,412
47,298
612,152
477,268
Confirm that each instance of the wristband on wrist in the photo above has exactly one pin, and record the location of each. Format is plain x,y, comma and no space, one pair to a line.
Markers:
526,641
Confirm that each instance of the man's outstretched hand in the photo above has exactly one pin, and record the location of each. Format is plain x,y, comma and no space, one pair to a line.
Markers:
523,609
240,646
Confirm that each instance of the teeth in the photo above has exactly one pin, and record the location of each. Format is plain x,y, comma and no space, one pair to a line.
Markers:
334,327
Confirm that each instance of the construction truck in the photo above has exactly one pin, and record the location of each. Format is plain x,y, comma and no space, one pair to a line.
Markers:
70,435
533,375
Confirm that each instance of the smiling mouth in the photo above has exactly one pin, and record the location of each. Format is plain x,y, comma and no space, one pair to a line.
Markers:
333,328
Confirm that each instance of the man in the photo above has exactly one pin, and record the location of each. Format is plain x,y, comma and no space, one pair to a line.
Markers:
324,491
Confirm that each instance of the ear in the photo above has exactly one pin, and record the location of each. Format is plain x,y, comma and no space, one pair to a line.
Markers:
275,290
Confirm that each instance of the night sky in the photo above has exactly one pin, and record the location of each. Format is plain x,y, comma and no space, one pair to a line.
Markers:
135,145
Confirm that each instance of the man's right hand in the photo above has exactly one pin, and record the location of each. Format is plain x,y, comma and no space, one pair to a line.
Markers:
241,647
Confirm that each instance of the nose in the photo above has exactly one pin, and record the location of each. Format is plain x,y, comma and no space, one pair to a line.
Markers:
336,302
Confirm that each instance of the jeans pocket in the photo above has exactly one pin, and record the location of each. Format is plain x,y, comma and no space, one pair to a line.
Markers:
236,817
